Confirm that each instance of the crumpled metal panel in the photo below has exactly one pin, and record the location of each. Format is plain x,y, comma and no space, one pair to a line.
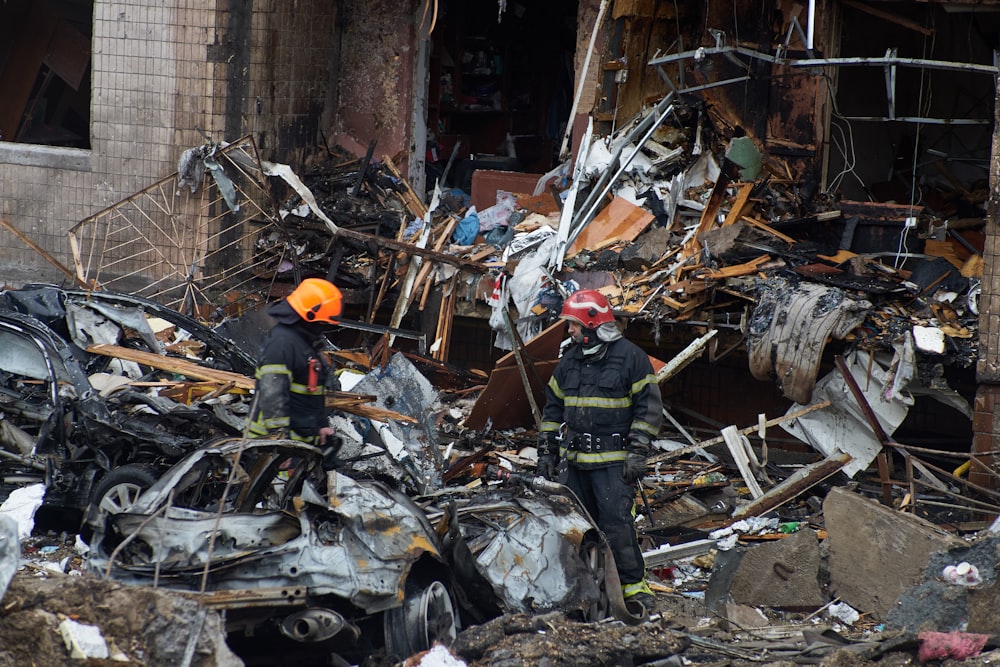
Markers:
91,323
528,549
386,522
789,330
360,547
402,388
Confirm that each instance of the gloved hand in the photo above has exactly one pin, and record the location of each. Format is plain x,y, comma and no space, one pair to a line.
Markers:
548,458
635,457
635,467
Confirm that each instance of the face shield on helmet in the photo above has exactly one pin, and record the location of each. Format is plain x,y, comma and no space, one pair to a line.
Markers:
316,300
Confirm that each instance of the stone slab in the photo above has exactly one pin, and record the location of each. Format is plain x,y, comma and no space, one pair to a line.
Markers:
876,552
783,574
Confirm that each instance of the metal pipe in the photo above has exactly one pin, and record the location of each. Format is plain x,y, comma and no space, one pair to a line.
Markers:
648,126
563,150
811,28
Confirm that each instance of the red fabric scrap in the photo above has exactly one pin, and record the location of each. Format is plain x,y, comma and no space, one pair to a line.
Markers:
954,645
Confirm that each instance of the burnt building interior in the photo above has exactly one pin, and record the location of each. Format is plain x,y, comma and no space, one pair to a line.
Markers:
45,72
501,84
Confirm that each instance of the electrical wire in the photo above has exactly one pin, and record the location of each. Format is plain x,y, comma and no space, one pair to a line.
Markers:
916,193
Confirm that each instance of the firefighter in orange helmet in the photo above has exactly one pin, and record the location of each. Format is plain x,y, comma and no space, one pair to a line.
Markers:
605,393
292,372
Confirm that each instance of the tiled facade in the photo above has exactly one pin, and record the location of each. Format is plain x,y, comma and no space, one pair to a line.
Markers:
166,74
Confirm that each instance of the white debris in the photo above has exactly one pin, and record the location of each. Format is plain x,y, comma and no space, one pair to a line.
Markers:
843,612
963,574
10,552
83,641
21,506
438,656
929,339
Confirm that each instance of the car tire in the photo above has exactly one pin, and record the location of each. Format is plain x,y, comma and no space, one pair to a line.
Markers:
118,490
425,618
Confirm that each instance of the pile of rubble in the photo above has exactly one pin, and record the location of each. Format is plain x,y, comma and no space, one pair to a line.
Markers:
684,225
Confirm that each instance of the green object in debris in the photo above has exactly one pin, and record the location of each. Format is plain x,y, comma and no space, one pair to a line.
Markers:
744,154
708,478
789,527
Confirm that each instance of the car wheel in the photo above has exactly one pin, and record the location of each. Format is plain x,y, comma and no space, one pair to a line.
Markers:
592,554
120,488
425,618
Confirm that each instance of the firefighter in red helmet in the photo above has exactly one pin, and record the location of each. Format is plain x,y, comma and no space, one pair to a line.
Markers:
605,393
292,371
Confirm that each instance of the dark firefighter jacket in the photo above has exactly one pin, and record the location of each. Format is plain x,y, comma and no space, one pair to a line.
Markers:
606,398
287,397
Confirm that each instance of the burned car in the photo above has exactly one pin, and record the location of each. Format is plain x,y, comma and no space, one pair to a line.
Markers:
301,558
89,426
307,560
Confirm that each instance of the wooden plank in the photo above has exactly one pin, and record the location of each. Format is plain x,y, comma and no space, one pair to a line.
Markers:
707,221
503,403
424,280
336,402
742,196
172,365
804,479
737,269
621,220
410,199
764,227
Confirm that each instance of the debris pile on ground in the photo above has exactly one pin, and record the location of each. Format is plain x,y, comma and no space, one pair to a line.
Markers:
425,522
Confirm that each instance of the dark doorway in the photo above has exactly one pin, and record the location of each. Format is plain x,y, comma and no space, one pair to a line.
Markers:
501,84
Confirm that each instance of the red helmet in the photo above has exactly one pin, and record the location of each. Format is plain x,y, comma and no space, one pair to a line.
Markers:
588,307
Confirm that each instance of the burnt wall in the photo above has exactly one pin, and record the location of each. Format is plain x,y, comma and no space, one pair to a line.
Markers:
375,87
293,55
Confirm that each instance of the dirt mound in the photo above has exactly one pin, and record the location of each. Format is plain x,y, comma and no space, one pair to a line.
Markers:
147,626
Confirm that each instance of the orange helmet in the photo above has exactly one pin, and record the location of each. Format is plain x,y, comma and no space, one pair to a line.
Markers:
316,300
588,307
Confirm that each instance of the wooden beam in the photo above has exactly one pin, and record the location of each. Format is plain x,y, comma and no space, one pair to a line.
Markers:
888,16
805,478
764,227
411,249
742,196
172,365
737,269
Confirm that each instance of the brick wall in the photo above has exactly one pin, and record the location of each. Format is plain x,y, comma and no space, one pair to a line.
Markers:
163,74
292,61
986,433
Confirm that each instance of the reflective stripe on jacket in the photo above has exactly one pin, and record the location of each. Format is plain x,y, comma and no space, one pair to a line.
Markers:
285,399
615,391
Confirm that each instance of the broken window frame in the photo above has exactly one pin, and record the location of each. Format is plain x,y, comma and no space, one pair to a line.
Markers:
201,238
71,64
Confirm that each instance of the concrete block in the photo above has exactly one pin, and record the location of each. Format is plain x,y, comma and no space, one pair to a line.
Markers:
649,247
783,574
983,603
740,616
944,606
876,552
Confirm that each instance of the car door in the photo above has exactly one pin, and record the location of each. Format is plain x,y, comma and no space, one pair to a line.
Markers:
34,385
